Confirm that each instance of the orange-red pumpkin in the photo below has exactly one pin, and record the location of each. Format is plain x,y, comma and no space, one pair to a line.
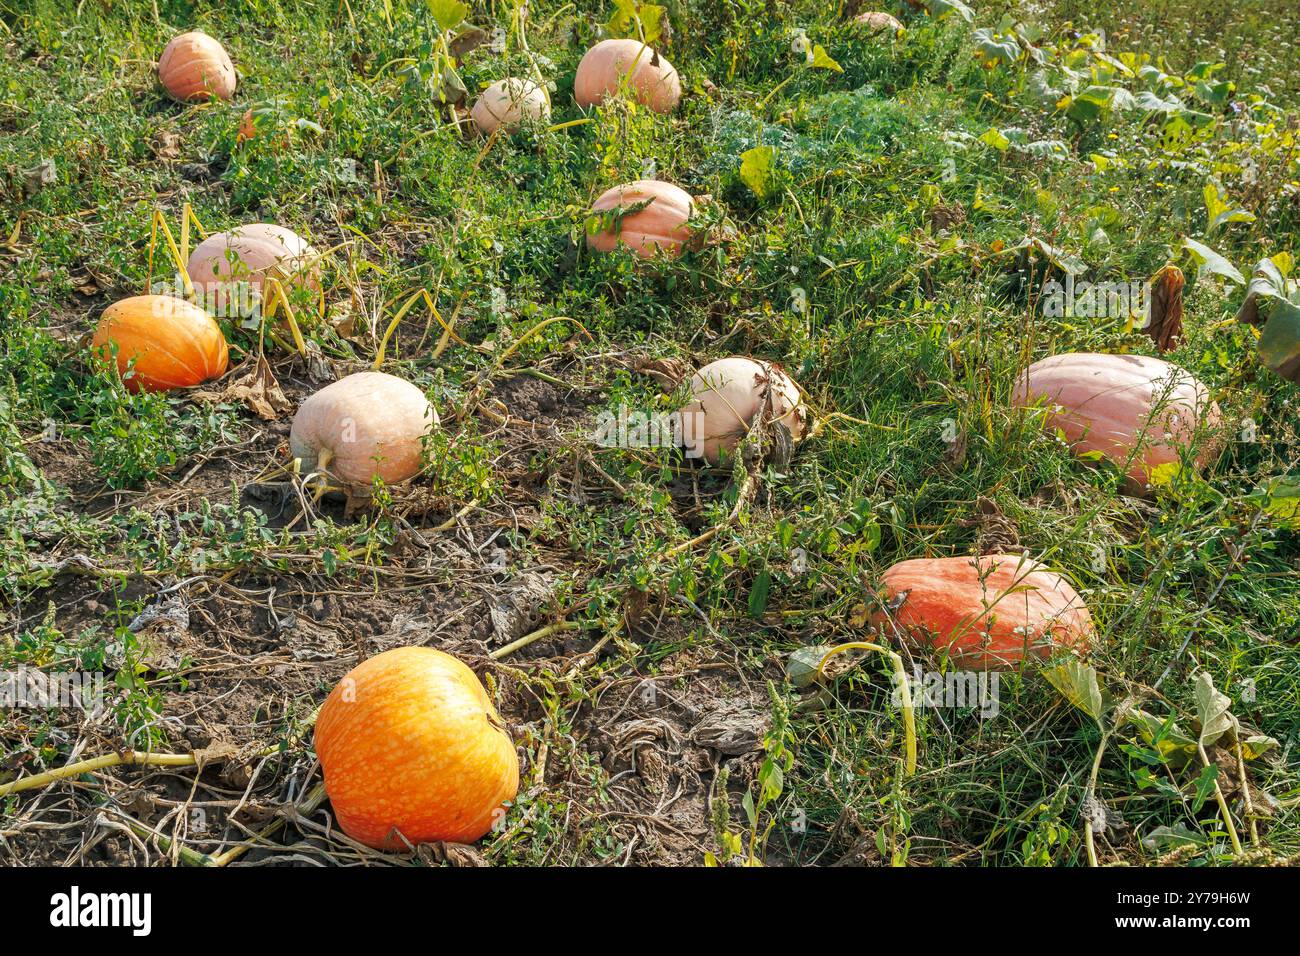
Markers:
413,751
1137,411
650,77
727,398
248,254
363,425
195,67
173,343
659,227
989,613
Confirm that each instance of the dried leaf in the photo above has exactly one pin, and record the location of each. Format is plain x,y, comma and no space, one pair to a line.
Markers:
256,387
1166,323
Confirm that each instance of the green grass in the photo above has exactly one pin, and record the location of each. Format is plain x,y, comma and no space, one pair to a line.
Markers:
915,336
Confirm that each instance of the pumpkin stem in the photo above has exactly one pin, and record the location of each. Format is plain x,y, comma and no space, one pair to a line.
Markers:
905,692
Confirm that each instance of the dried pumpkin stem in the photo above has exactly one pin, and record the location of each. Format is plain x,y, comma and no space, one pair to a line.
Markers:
131,758
905,692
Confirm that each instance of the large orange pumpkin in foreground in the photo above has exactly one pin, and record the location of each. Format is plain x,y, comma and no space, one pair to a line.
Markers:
363,425
660,227
194,67
248,254
651,78
989,613
174,343
410,743
727,398
1134,410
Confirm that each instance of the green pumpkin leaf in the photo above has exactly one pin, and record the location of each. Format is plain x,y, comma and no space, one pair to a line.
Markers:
758,170
1078,684
821,60
448,14
1212,708
1207,260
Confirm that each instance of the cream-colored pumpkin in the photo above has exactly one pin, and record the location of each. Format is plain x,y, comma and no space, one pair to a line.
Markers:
660,227
650,77
508,103
367,424
247,254
194,67
727,396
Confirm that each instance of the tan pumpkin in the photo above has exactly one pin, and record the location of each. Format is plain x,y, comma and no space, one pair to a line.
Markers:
727,398
363,425
1136,411
247,255
877,21
650,77
413,751
508,103
173,343
195,67
659,227
989,613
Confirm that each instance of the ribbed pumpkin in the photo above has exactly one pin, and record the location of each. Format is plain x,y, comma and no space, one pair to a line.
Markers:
247,254
877,21
410,743
194,67
727,399
366,424
660,227
988,613
650,77
508,103
1112,404
174,343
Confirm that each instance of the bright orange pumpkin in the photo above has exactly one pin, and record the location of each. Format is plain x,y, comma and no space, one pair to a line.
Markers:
659,227
194,67
1137,411
174,343
410,744
989,613
650,77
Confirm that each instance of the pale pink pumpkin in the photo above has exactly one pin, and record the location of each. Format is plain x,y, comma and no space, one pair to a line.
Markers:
363,425
248,254
650,77
1135,410
727,398
508,103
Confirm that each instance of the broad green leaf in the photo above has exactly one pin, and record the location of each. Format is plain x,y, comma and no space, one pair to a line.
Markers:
758,170
1078,684
1219,211
940,8
801,668
1280,498
1205,786
997,139
1279,342
1207,260
1168,838
1212,708
822,60
1165,736
448,14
